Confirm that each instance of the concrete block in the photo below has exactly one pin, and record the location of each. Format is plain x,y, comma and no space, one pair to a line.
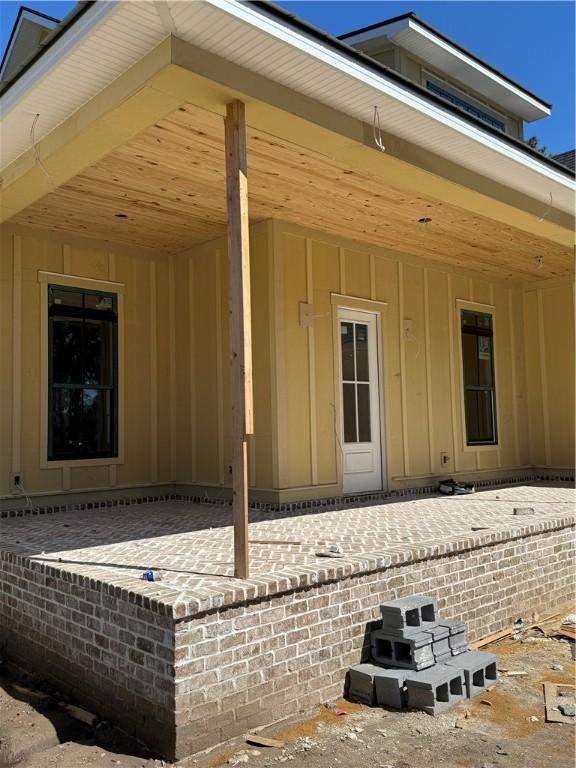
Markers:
457,643
480,670
438,633
441,649
371,685
390,690
411,652
360,683
440,642
436,689
408,614
454,626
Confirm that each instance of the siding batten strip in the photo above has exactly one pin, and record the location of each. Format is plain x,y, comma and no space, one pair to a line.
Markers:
431,448
452,353
192,382
273,334
277,289
372,276
497,369
16,353
406,452
471,298
153,375
544,378
514,377
172,353
342,265
219,367
311,368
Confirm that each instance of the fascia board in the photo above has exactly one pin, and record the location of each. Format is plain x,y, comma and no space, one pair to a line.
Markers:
385,87
467,61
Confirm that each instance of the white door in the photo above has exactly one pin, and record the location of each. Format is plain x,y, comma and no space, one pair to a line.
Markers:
360,401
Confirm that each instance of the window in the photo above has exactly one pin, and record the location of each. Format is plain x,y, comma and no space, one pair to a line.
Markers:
355,382
82,374
478,375
465,104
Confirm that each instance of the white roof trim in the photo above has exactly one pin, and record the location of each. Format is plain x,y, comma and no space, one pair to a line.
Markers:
26,15
439,53
111,36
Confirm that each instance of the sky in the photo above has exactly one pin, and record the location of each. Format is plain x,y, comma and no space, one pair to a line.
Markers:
530,41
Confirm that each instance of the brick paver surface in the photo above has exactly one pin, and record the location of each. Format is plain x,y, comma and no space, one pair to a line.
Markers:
191,546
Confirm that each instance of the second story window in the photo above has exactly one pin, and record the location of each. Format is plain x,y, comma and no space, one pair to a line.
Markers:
462,102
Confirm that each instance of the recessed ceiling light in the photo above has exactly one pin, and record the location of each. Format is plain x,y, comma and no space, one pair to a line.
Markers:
121,215
424,220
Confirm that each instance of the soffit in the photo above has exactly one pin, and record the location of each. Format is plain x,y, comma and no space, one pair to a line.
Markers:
165,189
116,35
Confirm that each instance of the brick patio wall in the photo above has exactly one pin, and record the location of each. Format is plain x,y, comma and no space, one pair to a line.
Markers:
240,667
183,683
103,649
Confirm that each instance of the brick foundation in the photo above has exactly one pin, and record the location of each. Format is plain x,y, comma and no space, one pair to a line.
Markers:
184,682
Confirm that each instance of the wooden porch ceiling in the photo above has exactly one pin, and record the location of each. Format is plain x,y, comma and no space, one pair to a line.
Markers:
166,190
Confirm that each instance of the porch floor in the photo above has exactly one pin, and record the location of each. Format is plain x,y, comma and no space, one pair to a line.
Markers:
192,545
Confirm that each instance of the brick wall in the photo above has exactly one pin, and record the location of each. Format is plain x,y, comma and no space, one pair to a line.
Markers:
240,667
105,650
183,684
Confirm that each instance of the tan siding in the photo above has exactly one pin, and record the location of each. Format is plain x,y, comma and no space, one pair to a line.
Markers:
415,370
24,450
441,417
295,387
556,347
423,397
533,379
326,279
6,290
177,403
134,272
203,412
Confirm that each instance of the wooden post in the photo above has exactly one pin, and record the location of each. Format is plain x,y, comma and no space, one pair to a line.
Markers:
240,325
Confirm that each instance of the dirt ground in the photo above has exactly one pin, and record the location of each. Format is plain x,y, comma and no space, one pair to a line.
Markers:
503,728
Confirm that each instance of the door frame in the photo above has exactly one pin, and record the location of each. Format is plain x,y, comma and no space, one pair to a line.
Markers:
374,308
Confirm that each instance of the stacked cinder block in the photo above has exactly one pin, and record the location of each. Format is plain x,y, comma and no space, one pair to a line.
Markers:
420,660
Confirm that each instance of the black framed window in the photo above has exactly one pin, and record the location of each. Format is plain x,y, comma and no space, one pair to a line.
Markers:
478,373
82,374
465,105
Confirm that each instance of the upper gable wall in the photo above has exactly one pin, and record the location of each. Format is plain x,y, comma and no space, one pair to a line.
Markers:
413,68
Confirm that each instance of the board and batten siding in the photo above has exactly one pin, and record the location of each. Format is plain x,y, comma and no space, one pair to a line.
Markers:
550,369
146,373
176,414
204,415
421,365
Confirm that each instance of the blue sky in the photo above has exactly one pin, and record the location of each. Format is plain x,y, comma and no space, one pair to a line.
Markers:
530,41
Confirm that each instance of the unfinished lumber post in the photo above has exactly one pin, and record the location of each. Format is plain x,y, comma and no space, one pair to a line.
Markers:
240,324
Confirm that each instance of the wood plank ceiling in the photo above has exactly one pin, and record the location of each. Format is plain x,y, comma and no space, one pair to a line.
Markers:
166,190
